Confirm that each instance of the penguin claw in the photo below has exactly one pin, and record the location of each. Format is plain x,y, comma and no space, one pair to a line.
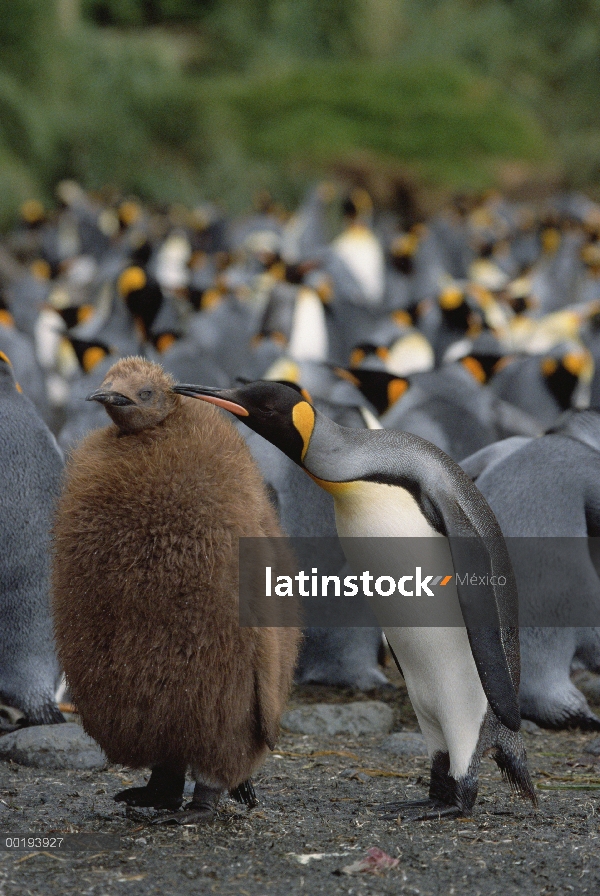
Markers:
420,810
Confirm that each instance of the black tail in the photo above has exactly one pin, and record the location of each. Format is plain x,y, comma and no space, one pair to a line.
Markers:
245,793
511,758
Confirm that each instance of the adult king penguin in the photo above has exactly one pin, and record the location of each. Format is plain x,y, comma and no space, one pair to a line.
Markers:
146,595
462,680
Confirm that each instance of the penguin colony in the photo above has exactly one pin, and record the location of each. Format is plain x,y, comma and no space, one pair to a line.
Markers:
476,330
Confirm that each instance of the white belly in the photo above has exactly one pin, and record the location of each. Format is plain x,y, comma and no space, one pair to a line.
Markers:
438,666
374,510
444,688
308,340
361,252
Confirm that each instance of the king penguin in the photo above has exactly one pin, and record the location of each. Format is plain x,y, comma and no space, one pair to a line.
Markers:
145,587
462,680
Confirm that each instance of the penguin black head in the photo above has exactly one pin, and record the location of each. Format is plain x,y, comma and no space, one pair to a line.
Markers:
381,388
136,394
274,410
563,373
142,296
89,353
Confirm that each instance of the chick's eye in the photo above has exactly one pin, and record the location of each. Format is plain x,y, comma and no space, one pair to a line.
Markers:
145,394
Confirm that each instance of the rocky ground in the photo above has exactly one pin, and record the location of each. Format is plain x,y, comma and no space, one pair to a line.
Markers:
317,820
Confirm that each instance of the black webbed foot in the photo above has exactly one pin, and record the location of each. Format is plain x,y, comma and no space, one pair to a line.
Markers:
448,797
164,790
200,810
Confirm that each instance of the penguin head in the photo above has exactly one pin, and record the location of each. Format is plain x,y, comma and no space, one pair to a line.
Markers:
277,411
142,295
136,394
381,388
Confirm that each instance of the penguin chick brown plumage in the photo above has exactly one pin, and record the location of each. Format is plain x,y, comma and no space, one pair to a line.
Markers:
146,595
463,681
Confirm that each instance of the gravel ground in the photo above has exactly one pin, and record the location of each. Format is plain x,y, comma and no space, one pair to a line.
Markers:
317,818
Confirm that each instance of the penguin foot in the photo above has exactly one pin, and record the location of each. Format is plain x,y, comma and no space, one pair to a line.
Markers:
200,810
448,797
420,810
164,790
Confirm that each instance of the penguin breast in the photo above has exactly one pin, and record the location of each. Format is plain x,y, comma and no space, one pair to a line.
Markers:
374,509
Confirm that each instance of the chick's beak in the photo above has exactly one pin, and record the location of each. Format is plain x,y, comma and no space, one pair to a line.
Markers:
223,398
112,398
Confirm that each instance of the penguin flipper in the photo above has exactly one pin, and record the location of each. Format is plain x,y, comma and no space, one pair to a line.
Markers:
480,560
457,509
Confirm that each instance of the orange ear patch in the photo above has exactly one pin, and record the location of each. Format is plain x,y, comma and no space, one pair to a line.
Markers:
210,298
131,280
356,356
395,390
346,375
402,318
5,358
40,269
164,342
451,298
574,362
474,367
84,312
303,418
548,366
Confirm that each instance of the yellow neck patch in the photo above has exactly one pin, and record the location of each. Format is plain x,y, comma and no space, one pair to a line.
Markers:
334,488
92,356
303,418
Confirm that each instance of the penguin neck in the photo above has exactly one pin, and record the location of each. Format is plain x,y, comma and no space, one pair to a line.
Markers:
363,471
329,447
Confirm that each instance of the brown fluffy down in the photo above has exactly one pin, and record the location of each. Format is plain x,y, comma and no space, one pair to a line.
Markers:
145,585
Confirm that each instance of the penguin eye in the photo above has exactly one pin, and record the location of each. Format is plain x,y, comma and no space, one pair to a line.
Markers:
145,394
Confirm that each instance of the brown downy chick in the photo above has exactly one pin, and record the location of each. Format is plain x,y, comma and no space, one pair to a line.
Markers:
146,594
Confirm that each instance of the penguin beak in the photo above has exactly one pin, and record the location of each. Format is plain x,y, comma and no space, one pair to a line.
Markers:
112,398
221,397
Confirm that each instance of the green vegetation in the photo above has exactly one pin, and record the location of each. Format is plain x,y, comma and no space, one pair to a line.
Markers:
181,99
